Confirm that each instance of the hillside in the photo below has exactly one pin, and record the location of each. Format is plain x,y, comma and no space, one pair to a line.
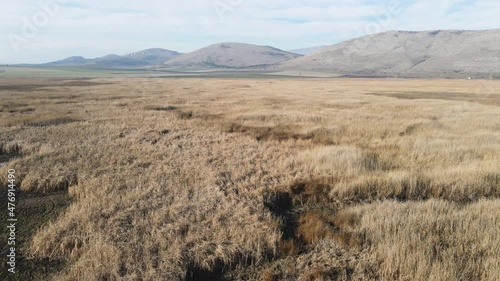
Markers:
453,54
154,56
149,57
232,55
76,60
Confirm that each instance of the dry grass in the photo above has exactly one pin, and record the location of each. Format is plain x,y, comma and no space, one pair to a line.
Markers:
431,240
193,179
317,274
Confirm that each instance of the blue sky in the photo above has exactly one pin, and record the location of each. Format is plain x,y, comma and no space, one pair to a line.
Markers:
36,31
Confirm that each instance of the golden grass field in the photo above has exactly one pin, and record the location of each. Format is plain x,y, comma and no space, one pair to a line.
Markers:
260,179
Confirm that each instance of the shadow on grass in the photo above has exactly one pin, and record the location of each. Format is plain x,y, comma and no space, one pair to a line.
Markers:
33,211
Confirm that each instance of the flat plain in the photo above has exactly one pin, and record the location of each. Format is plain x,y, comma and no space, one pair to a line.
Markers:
254,179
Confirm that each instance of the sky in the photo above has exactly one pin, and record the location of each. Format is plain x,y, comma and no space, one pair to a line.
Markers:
37,31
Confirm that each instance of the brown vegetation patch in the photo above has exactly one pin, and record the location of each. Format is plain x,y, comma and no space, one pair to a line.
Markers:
66,102
411,129
20,110
283,133
20,88
28,86
487,99
314,226
186,115
62,96
277,133
195,273
302,227
161,108
288,248
280,204
270,275
84,83
50,122
10,148
312,192
320,274
323,136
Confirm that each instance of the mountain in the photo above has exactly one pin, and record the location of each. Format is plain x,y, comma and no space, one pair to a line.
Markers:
443,53
232,55
149,57
307,51
69,61
154,56
116,61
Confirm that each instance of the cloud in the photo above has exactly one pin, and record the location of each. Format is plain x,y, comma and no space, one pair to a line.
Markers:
93,28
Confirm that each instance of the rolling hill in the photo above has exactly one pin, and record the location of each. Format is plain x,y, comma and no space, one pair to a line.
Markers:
149,57
154,56
76,60
233,56
451,54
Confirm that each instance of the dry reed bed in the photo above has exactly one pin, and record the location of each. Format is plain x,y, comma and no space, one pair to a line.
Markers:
181,179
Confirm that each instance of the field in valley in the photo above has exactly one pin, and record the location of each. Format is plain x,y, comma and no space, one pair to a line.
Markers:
253,179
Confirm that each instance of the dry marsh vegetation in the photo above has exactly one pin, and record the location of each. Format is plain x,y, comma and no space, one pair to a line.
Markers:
248,179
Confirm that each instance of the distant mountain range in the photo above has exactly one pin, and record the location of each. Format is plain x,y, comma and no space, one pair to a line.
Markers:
446,53
149,57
